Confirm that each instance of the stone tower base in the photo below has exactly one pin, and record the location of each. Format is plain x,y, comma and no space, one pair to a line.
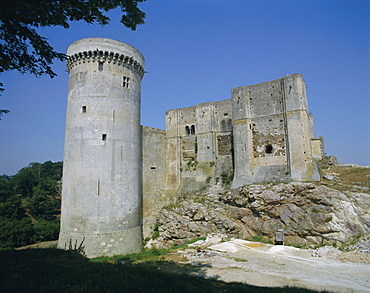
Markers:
104,244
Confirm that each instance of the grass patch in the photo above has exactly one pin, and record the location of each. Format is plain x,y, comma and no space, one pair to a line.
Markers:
301,246
239,259
149,255
315,211
54,245
328,219
348,176
188,242
261,239
227,178
53,270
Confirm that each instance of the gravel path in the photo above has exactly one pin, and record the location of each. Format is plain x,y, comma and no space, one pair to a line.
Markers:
268,265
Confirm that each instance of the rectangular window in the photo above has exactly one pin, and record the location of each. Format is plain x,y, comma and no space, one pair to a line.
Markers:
104,136
101,67
126,82
83,109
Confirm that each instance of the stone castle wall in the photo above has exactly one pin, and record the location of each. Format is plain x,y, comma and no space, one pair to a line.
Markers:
273,132
118,174
264,133
154,166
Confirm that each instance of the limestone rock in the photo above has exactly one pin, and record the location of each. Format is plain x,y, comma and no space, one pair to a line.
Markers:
307,213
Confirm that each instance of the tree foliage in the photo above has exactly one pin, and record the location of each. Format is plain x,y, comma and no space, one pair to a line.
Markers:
23,49
30,204
2,111
15,232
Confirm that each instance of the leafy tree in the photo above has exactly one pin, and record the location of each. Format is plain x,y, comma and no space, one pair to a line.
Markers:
30,204
26,178
15,233
12,208
20,18
46,231
43,204
5,191
2,112
24,50
29,177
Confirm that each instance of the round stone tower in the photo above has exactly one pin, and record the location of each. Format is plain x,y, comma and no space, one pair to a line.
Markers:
101,199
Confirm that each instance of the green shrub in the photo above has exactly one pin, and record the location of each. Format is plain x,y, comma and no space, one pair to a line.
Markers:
15,233
261,239
328,219
227,178
46,231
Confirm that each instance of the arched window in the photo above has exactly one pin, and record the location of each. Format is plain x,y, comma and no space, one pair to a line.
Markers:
187,130
229,124
192,129
223,125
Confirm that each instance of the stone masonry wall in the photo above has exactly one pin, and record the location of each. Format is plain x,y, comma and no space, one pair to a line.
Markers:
154,166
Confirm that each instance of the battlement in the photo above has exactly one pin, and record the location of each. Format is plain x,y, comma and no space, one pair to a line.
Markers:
109,51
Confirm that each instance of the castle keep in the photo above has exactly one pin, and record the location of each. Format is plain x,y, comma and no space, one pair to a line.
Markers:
118,174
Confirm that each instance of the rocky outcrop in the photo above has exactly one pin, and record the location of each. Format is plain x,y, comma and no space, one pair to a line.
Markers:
307,213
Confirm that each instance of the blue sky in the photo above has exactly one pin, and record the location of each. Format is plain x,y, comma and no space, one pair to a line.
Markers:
197,51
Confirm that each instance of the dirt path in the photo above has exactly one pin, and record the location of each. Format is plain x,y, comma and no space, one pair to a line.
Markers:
268,265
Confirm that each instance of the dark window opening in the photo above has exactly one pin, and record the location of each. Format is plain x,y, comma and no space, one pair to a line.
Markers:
153,167
187,130
192,129
104,136
268,149
223,125
101,66
126,82
229,124
83,109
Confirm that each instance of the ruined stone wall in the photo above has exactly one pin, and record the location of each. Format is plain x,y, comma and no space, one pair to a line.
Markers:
223,128
263,134
204,135
272,132
154,166
317,146
299,130
173,149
